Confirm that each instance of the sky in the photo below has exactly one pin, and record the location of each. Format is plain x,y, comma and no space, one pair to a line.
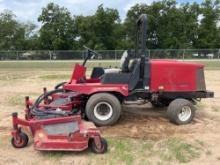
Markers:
29,10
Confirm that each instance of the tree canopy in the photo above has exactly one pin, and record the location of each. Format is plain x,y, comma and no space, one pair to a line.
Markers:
170,26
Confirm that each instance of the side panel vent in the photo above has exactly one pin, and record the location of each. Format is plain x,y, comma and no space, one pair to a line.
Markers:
200,80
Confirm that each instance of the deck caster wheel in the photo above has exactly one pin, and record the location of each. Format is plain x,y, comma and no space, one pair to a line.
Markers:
103,149
181,111
103,109
21,141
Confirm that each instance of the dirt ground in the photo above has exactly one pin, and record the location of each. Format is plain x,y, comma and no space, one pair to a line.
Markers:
137,122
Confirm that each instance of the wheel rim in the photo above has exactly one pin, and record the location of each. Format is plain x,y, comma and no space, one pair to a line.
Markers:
185,113
101,149
19,142
103,111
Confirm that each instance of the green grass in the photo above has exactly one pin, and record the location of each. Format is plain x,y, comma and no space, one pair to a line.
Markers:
215,108
14,75
18,99
136,151
177,149
210,65
53,65
54,156
55,77
67,65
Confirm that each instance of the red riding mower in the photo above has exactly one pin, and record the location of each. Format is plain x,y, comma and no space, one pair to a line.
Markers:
164,83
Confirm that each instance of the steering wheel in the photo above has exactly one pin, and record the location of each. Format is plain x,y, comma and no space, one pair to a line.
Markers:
90,50
90,54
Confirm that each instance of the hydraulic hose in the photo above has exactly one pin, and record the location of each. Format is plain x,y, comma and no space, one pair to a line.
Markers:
59,85
37,112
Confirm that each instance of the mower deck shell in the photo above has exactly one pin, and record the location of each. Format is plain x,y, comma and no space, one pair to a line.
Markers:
72,134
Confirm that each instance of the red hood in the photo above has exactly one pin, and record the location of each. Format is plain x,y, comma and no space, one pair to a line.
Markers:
175,62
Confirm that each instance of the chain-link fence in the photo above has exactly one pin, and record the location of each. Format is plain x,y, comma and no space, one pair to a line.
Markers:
108,54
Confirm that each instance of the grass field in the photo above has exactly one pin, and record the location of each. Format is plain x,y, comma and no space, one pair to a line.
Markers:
67,65
142,136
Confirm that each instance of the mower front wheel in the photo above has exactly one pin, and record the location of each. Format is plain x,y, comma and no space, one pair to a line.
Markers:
103,109
181,111
21,140
103,149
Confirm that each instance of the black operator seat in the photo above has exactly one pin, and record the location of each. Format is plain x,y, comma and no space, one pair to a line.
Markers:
131,77
125,60
135,74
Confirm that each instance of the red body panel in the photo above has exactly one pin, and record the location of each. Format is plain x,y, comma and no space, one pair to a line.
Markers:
78,73
173,76
91,86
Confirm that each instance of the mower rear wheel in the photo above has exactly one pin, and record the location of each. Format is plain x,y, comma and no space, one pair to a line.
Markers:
103,109
181,111
21,141
103,149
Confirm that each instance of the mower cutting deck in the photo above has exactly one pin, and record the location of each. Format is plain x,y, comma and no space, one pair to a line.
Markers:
58,134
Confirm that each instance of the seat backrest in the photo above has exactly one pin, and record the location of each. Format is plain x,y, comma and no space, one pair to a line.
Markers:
135,75
132,65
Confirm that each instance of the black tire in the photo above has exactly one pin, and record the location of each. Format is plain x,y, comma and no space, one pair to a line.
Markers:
105,98
179,106
103,149
22,142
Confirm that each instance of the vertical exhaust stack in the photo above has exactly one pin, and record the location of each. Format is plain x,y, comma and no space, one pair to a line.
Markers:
141,36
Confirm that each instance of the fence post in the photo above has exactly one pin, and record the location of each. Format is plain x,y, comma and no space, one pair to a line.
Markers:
50,55
82,54
115,57
17,55
218,53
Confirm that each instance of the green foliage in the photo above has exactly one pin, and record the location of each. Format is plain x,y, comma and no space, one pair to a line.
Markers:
100,30
170,26
11,32
208,35
57,30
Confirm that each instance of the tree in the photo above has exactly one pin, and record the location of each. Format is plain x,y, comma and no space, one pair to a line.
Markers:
169,25
130,22
11,32
105,22
57,31
99,31
208,34
31,36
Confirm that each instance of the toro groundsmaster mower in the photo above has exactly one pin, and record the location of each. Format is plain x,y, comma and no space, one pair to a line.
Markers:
164,83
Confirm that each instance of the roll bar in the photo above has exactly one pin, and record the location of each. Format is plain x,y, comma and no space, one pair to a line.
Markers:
141,35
